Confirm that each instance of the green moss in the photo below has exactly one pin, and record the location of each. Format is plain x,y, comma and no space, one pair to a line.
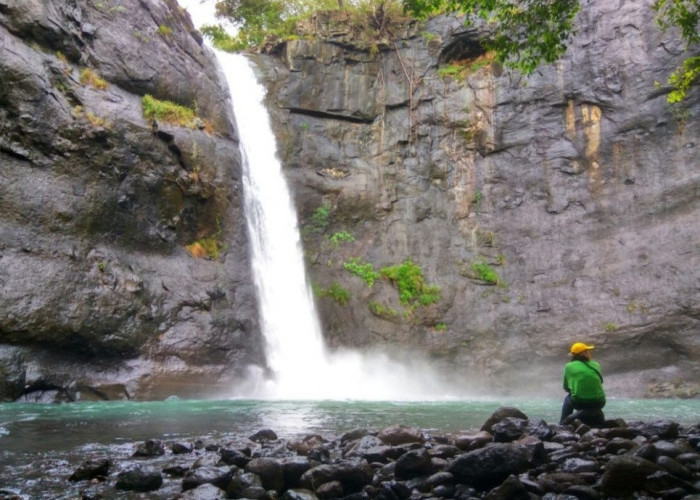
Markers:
165,31
484,272
382,311
168,112
89,77
453,71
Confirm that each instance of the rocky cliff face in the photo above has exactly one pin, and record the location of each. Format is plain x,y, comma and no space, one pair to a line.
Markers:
98,296
558,208
578,187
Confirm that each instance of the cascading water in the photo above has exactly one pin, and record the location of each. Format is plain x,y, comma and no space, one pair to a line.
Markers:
289,321
295,349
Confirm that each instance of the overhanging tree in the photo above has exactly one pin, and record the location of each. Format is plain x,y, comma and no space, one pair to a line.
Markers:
527,33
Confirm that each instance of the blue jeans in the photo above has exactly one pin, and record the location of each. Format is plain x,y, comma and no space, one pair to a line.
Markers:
594,409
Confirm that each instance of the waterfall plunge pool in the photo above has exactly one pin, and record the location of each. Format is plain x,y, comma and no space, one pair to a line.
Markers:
31,428
41,445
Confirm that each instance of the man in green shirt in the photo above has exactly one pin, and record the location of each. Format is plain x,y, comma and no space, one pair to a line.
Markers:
584,384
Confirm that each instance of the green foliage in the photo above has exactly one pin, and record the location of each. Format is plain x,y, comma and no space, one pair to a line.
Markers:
336,292
222,40
382,311
167,111
408,279
258,21
525,34
89,77
165,31
320,219
453,71
485,272
610,327
364,270
441,327
341,236
683,78
685,15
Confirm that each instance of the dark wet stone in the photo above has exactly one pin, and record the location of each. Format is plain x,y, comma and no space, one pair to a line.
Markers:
234,457
354,475
470,442
661,429
331,489
208,474
181,448
509,429
488,467
264,435
293,468
270,472
511,489
91,469
150,448
139,478
626,474
401,434
242,482
500,414
413,463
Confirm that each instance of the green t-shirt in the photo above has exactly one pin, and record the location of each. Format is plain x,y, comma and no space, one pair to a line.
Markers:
583,381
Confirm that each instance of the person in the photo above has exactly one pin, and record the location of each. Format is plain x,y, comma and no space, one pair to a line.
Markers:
583,383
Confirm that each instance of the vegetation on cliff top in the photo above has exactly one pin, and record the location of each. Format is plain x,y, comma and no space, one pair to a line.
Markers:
523,35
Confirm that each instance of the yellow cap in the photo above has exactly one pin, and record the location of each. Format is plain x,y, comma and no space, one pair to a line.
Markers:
579,347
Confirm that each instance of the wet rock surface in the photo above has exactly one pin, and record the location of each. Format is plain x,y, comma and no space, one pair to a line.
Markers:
577,186
620,460
99,297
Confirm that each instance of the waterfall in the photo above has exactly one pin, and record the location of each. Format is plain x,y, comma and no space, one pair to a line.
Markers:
303,369
295,349
288,316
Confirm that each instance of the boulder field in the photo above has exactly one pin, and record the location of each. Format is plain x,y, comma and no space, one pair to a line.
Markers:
510,457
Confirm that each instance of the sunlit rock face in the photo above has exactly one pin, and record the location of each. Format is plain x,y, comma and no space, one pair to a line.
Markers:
99,297
578,186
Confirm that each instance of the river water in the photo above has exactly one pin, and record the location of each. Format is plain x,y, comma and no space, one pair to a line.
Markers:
28,429
41,445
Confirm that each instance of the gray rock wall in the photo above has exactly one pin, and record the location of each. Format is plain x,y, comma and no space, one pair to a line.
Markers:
98,296
578,186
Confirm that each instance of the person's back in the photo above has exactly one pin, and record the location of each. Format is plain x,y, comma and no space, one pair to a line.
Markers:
584,381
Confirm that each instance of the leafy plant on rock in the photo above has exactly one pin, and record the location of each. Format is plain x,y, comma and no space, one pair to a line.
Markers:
336,292
364,270
408,279
341,237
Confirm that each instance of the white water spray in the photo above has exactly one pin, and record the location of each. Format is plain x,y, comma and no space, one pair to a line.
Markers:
295,349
